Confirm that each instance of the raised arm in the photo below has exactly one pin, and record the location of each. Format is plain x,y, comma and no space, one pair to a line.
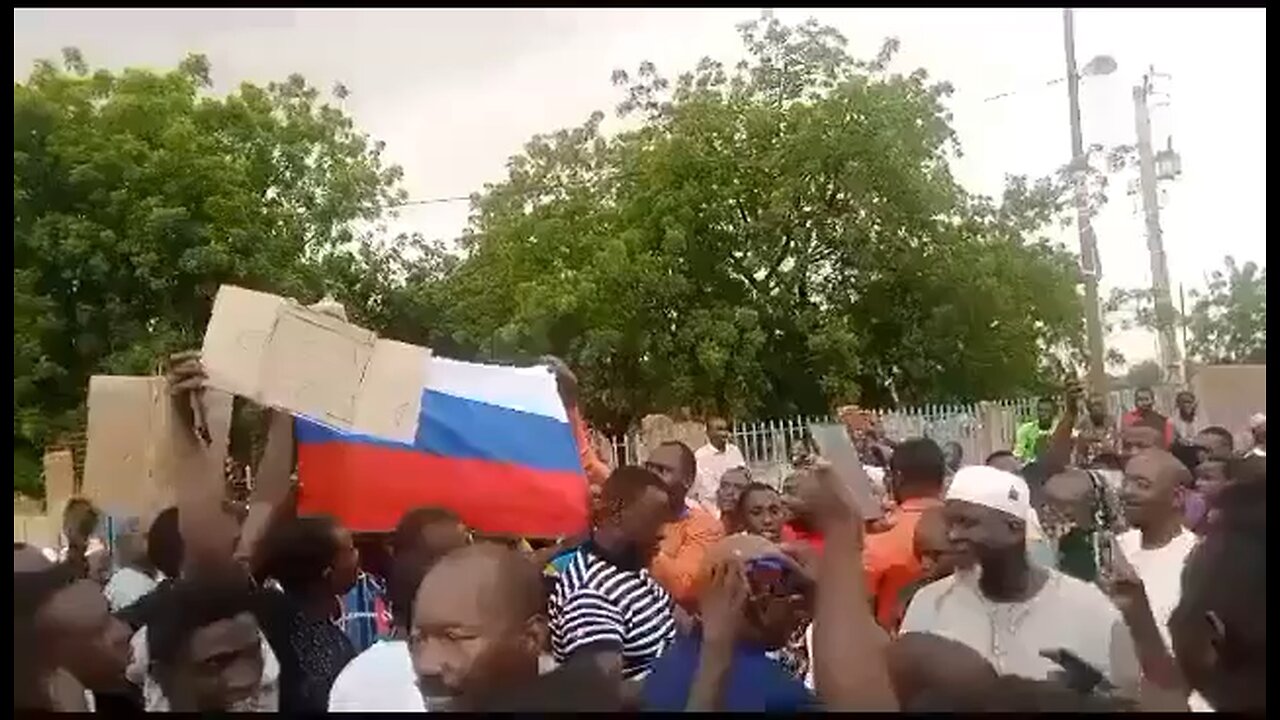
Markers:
849,664
723,604
201,420
272,490
1058,454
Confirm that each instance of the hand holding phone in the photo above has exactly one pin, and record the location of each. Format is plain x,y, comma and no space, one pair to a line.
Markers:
1076,674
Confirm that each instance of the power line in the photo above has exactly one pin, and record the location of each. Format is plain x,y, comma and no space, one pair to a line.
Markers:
431,201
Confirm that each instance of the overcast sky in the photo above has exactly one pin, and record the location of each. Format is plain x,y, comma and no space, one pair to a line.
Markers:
454,93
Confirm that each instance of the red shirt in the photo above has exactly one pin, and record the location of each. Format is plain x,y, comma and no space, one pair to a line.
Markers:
791,534
1134,418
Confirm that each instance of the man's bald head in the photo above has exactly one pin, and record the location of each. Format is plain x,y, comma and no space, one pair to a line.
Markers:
500,573
1154,482
28,558
1167,466
931,672
490,595
1136,438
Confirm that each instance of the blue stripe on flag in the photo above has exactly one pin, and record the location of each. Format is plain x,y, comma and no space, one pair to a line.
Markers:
460,428
456,427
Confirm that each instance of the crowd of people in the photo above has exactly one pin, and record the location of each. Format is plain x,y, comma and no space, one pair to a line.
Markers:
1092,566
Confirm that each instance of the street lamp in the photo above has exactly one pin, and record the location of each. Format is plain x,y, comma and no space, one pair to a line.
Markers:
1168,163
1100,65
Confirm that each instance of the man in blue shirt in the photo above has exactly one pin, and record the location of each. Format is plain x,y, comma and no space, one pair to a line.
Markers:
779,599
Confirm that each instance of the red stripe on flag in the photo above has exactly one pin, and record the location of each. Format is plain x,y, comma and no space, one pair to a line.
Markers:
368,487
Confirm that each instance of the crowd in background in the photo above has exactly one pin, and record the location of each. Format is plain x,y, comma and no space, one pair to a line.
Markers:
1095,565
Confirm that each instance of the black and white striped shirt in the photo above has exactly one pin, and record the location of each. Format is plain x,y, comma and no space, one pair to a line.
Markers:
598,603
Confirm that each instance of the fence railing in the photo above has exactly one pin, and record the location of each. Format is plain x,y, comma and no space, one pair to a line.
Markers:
979,428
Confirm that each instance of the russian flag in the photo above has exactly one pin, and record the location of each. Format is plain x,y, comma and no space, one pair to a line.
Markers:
493,445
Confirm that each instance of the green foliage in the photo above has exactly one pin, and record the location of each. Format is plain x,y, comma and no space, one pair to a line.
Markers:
1228,320
1147,373
774,238
137,194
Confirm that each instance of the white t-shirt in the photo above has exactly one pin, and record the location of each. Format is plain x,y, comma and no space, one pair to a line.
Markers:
380,679
126,587
1066,614
713,463
1161,572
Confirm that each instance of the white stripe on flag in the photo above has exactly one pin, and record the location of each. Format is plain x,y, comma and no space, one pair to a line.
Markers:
529,389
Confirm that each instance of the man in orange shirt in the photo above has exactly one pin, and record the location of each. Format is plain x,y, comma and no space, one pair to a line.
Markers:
685,539
917,472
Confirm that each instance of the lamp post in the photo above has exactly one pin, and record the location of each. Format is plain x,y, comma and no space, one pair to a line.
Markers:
1102,65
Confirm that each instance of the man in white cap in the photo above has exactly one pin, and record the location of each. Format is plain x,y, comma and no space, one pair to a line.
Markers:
1016,614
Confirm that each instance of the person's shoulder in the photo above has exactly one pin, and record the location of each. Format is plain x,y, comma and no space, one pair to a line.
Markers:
1129,541
703,451
1186,541
891,545
379,658
928,595
699,516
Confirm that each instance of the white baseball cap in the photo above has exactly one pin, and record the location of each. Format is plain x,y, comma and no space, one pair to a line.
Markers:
991,487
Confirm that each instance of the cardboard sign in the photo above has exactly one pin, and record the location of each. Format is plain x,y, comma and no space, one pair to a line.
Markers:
137,446
272,351
835,446
1229,395
59,481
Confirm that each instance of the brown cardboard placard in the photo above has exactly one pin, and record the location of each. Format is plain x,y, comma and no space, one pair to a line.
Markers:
835,446
1228,395
59,480
134,457
386,407
309,363
235,340
119,448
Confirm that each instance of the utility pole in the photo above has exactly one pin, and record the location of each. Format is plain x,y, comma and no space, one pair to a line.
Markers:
1170,356
1088,241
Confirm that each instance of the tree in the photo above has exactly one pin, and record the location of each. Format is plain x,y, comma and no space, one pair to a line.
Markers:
137,194
1228,320
774,238
1147,373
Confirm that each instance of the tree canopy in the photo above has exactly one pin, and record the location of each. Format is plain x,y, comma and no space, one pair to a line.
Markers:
772,237
136,194
1227,322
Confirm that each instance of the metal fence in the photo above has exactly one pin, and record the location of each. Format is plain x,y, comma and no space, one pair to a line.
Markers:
979,429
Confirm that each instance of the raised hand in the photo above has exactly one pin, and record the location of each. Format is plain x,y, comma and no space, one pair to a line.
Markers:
723,601
1120,581
186,377
834,500
1074,393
